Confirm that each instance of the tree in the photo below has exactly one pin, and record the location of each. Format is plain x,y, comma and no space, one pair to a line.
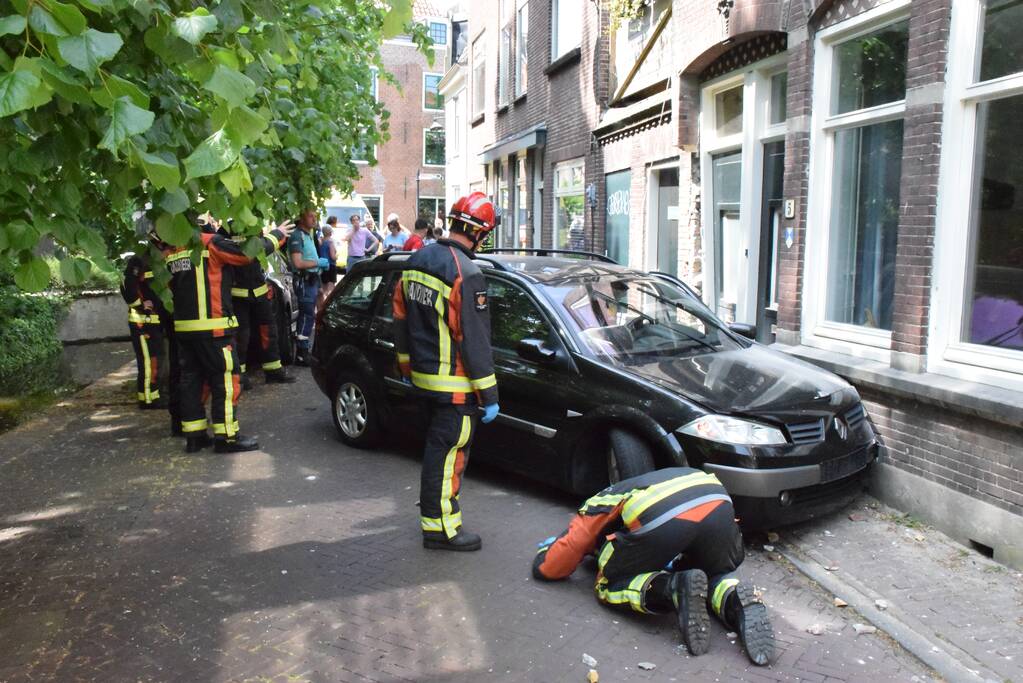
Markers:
248,109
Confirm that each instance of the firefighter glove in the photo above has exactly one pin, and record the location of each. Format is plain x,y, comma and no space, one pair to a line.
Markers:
490,412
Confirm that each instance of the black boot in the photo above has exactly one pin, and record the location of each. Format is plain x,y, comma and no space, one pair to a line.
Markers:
747,616
278,377
238,444
194,444
158,404
689,594
176,426
462,541
246,382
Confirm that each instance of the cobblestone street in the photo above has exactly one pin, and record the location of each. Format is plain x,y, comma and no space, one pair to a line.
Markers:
125,559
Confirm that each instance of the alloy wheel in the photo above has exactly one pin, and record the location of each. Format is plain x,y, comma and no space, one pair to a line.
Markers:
350,407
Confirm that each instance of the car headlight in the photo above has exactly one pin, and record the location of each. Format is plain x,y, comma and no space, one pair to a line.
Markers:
732,430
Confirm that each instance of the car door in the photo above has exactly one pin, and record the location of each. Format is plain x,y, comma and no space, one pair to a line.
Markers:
532,391
348,315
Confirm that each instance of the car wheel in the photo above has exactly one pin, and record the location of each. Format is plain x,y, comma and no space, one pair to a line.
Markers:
285,339
355,412
627,456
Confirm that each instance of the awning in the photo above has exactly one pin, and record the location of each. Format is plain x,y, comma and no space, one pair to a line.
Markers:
531,137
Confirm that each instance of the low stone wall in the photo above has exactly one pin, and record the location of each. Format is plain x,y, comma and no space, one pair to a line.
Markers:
95,316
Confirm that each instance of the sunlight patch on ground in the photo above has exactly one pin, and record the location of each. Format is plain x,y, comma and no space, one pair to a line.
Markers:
47,513
14,532
302,522
251,466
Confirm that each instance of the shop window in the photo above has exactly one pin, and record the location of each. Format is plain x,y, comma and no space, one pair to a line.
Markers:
616,222
569,203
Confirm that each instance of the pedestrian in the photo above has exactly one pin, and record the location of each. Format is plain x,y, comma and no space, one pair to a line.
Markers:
359,240
419,236
152,332
252,299
371,226
657,537
439,234
442,338
328,250
306,265
395,239
204,323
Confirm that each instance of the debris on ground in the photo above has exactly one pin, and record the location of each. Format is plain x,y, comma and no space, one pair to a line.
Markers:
592,676
769,548
589,661
772,537
828,533
856,517
864,628
731,635
881,604
647,666
831,567
919,538
815,630
839,602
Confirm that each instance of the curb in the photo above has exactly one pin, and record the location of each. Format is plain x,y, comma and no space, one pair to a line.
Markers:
950,662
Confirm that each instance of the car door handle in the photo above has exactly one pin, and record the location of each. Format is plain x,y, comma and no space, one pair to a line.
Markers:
384,343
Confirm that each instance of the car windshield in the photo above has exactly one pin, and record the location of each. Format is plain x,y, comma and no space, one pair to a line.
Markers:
629,318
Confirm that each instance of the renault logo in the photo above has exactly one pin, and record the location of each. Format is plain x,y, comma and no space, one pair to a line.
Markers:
841,428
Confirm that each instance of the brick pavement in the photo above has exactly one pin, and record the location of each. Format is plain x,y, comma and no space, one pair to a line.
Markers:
121,558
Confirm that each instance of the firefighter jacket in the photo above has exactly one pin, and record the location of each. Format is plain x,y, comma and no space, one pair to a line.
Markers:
202,290
442,325
144,306
250,279
634,514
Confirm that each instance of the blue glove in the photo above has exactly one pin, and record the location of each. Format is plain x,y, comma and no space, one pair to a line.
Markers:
490,412
546,543
324,263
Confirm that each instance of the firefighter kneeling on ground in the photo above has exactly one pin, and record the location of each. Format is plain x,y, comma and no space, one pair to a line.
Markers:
442,335
657,538
205,324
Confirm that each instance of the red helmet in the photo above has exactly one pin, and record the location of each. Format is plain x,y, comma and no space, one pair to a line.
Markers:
475,211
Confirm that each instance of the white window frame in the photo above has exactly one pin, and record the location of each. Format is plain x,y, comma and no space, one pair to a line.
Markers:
755,80
373,196
435,199
444,162
447,32
504,66
479,90
817,331
521,48
946,353
557,193
440,77
559,51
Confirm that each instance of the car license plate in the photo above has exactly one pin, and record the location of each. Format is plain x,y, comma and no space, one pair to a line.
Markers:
844,466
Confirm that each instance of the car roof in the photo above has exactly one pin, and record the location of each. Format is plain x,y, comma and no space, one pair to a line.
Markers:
555,269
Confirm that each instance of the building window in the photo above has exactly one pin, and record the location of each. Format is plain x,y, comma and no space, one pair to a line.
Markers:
860,88
374,204
479,77
428,208
455,127
432,99
779,95
568,206
567,24
523,231
433,147
504,66
521,51
439,32
977,300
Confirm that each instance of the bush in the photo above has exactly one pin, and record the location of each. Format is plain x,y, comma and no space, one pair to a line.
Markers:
30,353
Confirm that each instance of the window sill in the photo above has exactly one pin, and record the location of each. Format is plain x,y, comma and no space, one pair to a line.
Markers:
478,120
564,61
986,401
519,98
502,109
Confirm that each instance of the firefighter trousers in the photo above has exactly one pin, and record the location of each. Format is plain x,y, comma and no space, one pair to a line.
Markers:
445,455
256,317
148,343
212,361
713,544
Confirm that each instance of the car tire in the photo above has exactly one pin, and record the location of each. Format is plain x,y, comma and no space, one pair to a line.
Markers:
627,456
355,410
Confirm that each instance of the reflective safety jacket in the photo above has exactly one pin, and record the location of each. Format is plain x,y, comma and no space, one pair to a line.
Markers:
202,291
137,293
636,514
442,325
250,279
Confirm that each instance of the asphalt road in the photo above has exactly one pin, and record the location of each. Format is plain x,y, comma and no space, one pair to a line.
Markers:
122,558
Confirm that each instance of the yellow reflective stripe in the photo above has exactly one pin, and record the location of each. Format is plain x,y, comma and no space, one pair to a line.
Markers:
242,368
261,290
152,395
635,507
231,426
404,358
443,340
719,593
148,275
205,325
240,292
632,594
449,383
609,500
200,288
272,365
431,524
605,555
484,383
178,255
222,429
147,372
136,317
452,520
137,302
427,280
244,293
193,425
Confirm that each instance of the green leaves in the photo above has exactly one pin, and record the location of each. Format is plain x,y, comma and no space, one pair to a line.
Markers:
395,19
174,230
162,172
12,25
231,86
125,120
87,51
56,19
20,90
236,179
245,126
74,270
215,154
192,27
32,275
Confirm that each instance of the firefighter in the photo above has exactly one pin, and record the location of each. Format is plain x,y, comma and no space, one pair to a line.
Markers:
252,299
152,333
657,538
442,336
205,325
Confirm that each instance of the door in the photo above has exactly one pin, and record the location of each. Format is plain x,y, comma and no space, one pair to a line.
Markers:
730,256
667,220
770,238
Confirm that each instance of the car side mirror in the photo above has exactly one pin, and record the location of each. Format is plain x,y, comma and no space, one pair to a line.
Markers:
534,350
744,330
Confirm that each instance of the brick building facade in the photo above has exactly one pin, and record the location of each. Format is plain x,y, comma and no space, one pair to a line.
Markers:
820,170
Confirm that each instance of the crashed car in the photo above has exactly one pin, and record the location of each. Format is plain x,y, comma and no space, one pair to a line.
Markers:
607,372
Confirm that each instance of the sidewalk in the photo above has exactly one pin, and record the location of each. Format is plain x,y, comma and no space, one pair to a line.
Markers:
955,609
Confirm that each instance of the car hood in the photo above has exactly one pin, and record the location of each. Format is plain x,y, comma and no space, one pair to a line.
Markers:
754,380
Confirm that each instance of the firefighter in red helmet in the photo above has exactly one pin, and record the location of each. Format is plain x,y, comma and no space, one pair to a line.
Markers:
442,334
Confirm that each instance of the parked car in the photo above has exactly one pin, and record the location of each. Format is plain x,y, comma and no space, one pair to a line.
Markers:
606,372
279,277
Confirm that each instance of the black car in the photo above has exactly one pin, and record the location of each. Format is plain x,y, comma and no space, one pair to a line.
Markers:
285,310
606,372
